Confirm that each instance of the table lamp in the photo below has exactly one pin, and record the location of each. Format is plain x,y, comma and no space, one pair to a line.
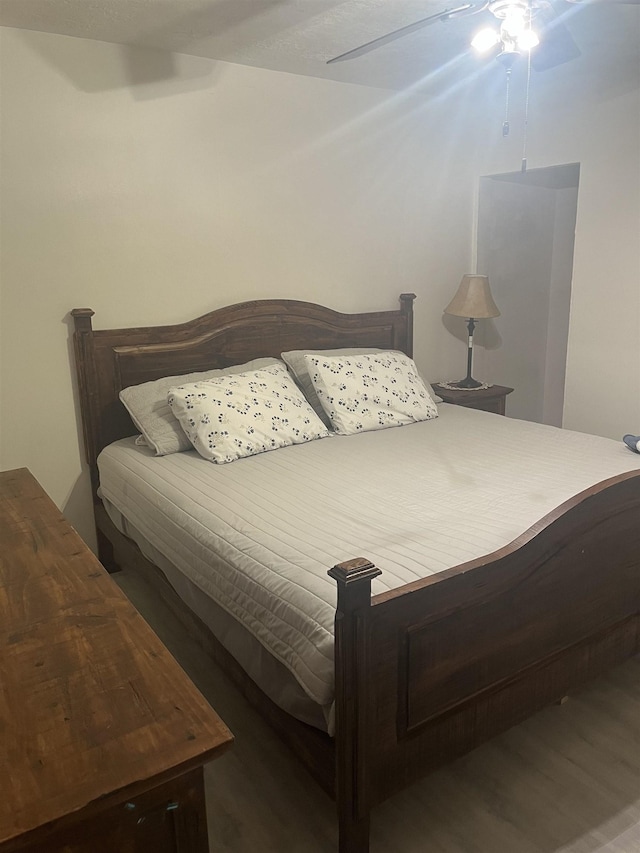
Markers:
473,300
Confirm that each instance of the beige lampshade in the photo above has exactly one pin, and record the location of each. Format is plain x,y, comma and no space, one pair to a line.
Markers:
473,299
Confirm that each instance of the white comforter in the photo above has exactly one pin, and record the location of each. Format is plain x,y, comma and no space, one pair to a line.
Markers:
259,534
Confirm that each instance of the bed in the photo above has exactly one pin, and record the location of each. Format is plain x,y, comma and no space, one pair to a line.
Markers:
427,667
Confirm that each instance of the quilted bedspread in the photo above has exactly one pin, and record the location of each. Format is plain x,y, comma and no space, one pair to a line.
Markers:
259,534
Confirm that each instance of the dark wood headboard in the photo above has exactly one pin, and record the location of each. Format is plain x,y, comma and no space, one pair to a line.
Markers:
108,360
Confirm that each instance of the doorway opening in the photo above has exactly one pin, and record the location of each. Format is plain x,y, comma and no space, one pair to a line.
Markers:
526,233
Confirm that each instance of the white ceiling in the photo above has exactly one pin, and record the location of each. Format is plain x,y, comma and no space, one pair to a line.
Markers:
299,36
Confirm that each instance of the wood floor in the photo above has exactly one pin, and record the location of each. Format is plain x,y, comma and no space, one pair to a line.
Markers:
565,781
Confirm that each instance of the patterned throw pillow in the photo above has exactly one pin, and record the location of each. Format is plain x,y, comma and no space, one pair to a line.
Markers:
228,417
369,392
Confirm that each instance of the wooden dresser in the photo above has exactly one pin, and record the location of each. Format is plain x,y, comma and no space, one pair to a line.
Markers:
102,735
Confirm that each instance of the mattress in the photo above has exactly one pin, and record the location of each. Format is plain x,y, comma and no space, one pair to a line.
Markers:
258,535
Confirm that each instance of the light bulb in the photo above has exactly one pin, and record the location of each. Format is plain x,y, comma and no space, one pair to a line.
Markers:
528,40
485,40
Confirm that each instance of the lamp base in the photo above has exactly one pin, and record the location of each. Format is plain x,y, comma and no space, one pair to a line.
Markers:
468,382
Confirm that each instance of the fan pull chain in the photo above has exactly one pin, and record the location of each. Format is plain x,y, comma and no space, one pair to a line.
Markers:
505,123
523,167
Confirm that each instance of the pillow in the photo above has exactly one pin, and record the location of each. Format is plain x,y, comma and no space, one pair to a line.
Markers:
229,417
366,392
295,361
150,412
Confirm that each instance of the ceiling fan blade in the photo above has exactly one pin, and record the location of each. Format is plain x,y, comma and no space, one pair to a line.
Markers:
410,28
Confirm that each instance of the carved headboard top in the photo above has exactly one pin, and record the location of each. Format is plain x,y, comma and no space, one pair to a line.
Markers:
108,360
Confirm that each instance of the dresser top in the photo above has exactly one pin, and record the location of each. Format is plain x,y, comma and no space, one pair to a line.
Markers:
91,702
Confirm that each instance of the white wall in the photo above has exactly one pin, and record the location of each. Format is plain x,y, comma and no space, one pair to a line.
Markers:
154,202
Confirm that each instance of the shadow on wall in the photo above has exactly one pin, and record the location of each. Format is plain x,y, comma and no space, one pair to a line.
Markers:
168,51
148,73
78,509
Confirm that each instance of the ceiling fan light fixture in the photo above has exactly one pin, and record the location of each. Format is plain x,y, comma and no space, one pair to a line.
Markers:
485,39
514,22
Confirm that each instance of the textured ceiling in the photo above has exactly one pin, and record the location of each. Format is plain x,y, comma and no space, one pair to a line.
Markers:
298,36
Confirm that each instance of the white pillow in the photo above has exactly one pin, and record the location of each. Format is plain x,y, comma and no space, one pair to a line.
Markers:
150,412
295,361
229,417
369,392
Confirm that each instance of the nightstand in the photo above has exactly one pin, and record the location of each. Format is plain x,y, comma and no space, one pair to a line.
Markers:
492,399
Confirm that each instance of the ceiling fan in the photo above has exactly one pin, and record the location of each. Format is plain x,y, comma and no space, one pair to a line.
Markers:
518,24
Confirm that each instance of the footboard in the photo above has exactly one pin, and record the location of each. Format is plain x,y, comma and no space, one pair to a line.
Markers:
427,672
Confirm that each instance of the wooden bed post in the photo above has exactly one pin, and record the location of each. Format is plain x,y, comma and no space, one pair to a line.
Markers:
83,343
406,307
87,385
352,725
